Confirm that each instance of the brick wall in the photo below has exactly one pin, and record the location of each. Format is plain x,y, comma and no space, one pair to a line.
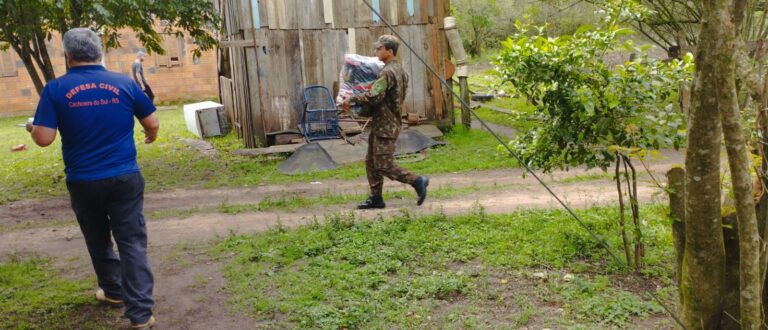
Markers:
174,76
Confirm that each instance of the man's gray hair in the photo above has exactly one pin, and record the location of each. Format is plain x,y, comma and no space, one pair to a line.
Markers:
83,45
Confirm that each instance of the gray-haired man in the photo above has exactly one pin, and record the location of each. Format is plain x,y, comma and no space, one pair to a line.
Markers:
137,70
94,111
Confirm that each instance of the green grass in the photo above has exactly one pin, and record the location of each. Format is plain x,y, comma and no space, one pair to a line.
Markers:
34,296
295,201
586,177
443,272
170,164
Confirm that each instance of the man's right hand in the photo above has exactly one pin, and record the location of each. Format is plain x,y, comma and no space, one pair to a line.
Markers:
149,138
151,125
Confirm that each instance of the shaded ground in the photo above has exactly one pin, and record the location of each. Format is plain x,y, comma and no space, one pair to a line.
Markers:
190,292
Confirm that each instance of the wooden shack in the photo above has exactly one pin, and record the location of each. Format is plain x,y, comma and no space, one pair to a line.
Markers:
272,49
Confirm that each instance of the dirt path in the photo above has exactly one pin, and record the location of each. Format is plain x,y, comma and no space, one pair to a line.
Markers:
190,291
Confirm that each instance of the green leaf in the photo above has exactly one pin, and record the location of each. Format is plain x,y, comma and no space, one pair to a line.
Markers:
623,32
584,28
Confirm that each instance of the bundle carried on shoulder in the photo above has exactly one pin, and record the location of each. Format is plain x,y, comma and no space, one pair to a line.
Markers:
357,76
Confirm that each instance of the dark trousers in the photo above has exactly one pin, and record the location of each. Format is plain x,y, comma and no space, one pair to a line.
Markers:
380,163
149,93
109,208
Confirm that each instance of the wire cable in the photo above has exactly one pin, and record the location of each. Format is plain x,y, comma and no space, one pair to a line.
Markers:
597,238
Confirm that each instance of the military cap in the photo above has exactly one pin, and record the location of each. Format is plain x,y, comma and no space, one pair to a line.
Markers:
389,41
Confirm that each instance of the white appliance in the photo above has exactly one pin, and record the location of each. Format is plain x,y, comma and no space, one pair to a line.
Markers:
206,119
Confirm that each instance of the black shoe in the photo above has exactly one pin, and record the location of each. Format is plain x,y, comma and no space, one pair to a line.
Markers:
420,185
373,202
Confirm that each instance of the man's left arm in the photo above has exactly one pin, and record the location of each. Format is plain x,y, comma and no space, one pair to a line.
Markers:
374,96
43,129
144,110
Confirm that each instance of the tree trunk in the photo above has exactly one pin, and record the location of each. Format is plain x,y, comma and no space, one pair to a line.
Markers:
739,161
676,189
704,256
29,64
627,251
635,207
45,59
731,309
757,85
731,296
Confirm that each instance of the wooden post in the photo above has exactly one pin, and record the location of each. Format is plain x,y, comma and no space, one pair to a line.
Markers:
466,118
449,104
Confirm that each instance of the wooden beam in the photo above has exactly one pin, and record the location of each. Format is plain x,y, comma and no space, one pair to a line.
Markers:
285,148
237,43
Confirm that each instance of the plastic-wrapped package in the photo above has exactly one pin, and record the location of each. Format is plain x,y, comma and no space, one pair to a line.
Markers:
357,76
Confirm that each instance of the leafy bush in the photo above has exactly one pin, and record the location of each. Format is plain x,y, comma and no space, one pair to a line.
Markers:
590,111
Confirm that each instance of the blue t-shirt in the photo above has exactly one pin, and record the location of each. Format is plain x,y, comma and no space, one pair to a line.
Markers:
93,110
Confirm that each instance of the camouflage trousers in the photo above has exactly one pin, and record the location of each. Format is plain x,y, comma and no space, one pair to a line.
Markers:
380,163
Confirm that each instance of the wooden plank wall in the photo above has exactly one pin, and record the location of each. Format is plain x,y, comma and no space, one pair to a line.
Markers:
321,49
309,14
300,45
282,91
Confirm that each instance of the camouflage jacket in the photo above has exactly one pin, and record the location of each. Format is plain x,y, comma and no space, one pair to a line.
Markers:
385,100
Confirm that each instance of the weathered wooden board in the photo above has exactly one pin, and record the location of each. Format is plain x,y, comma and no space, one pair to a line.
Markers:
434,87
328,12
363,16
275,13
254,82
323,55
390,11
364,39
236,43
294,10
263,13
420,79
226,86
341,17
422,11
285,148
406,59
403,16
312,16
333,57
282,100
240,79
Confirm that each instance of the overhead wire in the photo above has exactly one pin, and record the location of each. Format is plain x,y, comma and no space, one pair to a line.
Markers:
528,169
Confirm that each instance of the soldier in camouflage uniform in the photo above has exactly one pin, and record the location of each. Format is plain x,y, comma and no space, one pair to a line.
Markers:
384,102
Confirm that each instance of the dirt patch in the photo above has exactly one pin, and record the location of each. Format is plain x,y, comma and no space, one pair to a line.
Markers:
190,291
39,212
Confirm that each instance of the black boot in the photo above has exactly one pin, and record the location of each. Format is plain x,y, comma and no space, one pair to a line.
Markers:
373,202
420,185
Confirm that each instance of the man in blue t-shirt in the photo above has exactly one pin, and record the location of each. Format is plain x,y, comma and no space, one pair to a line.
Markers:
94,110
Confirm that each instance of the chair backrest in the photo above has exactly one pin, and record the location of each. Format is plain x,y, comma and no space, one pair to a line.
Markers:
318,97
